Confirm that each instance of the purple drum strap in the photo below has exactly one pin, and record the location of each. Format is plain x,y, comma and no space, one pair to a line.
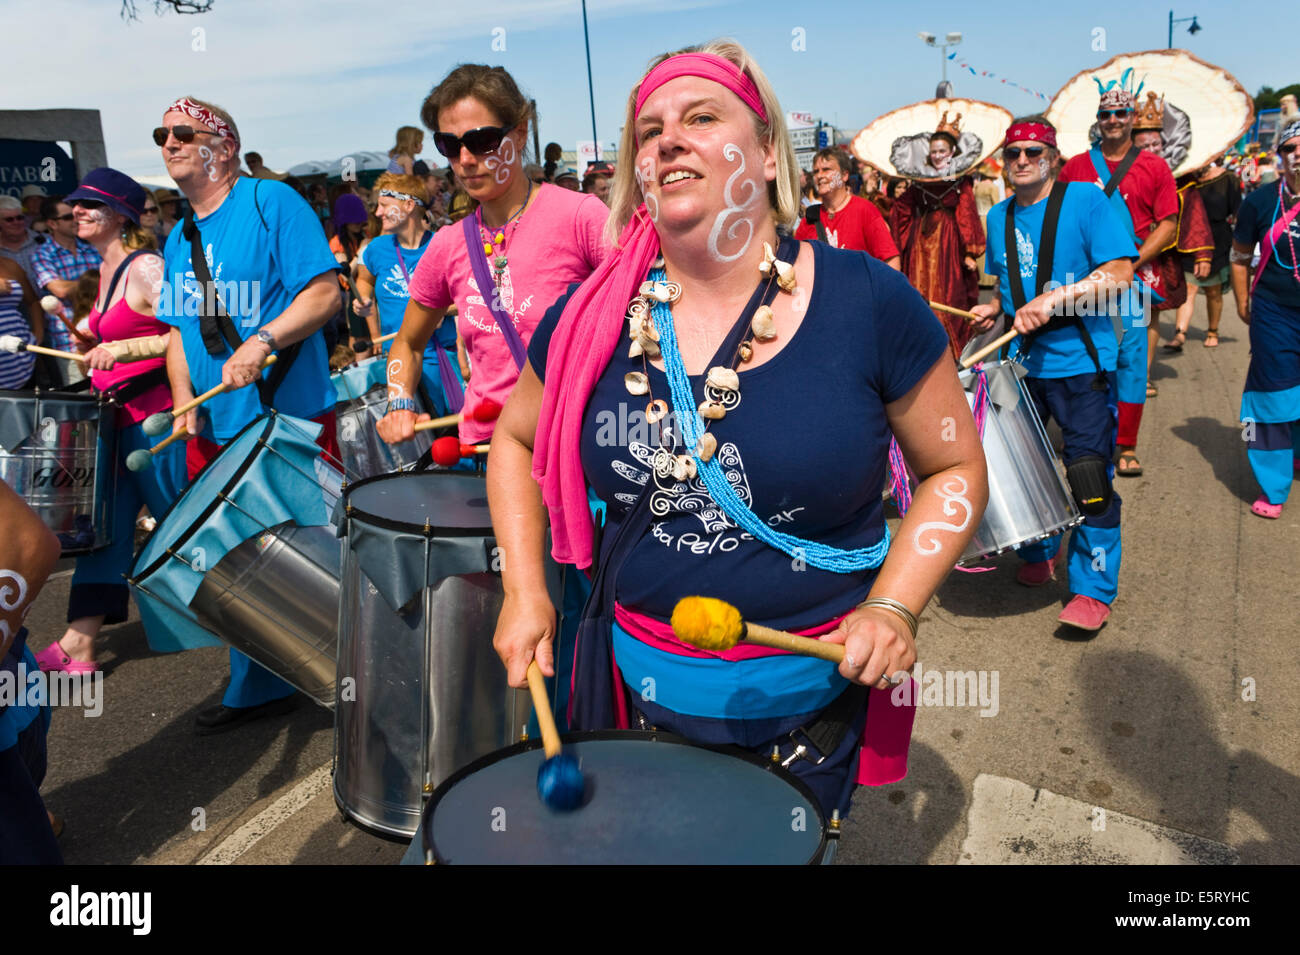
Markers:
478,262
898,482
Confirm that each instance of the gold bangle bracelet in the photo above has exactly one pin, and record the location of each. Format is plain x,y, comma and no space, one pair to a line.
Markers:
888,603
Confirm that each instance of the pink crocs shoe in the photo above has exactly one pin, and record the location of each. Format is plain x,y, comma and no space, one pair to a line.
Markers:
1086,613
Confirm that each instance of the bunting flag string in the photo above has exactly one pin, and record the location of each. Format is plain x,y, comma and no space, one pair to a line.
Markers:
990,74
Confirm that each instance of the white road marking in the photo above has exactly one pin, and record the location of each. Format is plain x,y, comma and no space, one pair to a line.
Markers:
266,821
1011,823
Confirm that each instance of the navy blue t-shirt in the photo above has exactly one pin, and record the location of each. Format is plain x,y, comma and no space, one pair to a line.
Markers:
805,449
1255,219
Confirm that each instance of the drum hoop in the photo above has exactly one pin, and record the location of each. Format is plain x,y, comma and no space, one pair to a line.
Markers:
764,763
267,422
392,524
39,394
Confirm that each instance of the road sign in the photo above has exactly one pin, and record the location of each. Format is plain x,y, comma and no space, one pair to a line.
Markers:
804,138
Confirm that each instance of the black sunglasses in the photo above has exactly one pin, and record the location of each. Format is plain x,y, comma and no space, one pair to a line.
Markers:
479,141
1286,150
67,218
148,210
1104,114
1012,153
87,204
183,133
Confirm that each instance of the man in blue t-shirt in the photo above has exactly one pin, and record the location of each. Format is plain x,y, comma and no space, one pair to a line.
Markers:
1270,304
1067,345
273,274
383,278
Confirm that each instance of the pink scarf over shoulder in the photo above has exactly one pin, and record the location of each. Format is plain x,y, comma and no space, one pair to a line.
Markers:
581,348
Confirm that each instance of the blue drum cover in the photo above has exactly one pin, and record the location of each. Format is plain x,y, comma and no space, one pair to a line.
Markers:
289,485
356,380
413,529
649,800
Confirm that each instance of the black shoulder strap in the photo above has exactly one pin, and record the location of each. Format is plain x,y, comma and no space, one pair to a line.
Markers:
117,276
215,326
1043,273
813,214
1122,170
1046,246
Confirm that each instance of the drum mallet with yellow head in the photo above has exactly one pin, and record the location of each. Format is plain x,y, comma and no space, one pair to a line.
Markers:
559,779
156,424
712,624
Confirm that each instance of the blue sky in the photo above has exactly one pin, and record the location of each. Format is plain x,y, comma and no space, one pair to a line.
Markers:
314,79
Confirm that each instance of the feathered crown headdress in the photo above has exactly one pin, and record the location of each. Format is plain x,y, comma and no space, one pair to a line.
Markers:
1119,94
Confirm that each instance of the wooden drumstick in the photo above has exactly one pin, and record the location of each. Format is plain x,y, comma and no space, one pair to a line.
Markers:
969,316
712,624
559,779
140,459
989,348
14,344
158,423
486,411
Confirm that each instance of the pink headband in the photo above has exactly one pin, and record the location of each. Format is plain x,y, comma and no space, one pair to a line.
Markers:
205,116
707,66
1035,132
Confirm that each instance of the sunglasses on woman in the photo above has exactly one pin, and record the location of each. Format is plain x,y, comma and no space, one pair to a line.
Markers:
149,211
183,133
88,204
479,141
1104,114
1012,153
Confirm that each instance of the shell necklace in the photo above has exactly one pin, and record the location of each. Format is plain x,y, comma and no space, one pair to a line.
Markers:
650,318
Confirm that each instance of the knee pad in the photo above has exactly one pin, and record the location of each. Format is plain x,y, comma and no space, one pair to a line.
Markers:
1089,481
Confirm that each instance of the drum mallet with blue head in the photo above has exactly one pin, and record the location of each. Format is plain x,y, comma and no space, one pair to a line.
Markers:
141,458
156,424
559,779
712,624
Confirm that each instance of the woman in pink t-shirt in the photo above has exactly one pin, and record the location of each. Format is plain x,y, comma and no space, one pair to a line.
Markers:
108,206
534,242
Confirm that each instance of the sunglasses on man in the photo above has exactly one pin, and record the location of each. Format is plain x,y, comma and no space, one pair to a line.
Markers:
479,141
183,133
1105,114
1012,153
1287,149
15,218
69,217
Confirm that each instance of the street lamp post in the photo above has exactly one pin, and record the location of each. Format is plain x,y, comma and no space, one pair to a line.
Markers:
1194,29
591,90
950,39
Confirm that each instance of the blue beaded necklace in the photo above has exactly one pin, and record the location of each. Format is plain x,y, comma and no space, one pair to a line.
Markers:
821,556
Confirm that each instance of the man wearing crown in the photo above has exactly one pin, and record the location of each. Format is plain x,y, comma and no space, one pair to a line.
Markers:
1193,237
938,229
1141,189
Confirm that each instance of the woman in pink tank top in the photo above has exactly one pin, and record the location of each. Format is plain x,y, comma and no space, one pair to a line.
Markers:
107,206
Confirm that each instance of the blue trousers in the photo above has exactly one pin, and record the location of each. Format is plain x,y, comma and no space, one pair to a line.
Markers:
25,834
98,582
1131,370
1088,424
1270,404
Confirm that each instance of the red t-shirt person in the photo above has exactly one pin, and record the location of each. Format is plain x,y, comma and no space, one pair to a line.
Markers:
859,225
1148,188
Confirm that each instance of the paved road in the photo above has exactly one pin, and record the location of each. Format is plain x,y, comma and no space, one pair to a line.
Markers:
1169,736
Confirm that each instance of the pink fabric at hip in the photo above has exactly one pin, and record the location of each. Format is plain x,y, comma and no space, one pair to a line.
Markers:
119,322
890,713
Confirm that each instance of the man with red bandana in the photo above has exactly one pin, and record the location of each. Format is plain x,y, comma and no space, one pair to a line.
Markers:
1141,187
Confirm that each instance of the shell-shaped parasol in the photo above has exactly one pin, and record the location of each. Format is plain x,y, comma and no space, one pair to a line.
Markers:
898,143
1205,109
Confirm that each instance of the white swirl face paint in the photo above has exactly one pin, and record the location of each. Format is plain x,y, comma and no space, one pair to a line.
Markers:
394,215
646,174
501,162
395,388
953,495
735,209
209,158
13,592
1044,169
